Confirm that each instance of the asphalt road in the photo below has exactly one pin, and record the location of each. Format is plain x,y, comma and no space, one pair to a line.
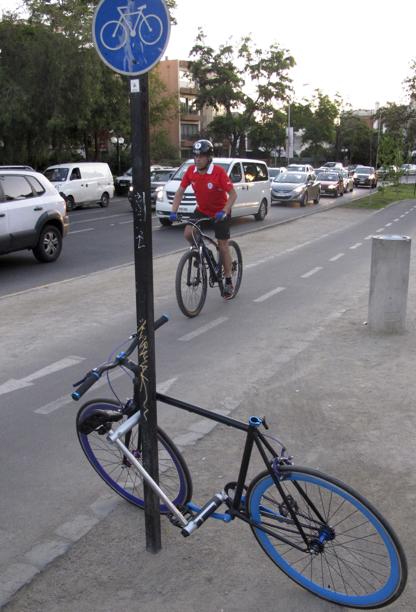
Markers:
296,278
102,238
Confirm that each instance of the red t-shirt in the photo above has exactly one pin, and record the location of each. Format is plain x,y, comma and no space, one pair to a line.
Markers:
210,188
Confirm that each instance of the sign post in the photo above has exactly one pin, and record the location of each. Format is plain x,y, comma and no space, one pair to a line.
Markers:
131,36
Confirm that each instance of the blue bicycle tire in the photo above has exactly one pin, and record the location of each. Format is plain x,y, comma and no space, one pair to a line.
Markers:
107,460
368,551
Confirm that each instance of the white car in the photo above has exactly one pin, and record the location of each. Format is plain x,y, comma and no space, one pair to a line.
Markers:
82,183
250,179
300,168
32,215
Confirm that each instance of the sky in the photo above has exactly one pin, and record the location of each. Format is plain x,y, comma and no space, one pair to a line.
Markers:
361,49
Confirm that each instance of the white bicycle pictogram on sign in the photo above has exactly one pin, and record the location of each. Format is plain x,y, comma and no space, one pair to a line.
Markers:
114,34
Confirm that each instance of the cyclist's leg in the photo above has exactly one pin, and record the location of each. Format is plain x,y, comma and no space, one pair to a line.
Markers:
222,234
189,230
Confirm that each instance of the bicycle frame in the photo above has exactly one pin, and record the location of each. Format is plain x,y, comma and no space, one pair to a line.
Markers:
236,508
126,13
203,250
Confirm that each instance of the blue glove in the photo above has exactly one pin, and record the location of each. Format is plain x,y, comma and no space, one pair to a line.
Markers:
220,216
173,216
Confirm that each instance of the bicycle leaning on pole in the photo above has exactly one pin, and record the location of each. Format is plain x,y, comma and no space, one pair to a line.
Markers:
199,266
320,532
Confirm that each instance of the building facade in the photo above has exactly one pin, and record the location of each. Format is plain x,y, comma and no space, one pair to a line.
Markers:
190,123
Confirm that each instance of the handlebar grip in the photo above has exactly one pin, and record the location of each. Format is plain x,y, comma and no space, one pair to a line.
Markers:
90,380
160,321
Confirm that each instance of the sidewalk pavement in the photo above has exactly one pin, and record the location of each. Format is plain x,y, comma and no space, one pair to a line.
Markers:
344,404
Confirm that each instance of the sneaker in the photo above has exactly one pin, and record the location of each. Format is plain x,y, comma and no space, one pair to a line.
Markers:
228,292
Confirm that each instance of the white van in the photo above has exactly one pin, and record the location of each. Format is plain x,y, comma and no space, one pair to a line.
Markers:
251,182
82,183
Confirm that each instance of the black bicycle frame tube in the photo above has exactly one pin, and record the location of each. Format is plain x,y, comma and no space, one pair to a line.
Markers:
214,416
245,461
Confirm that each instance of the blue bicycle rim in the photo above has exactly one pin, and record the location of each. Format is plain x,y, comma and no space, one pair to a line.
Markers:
367,600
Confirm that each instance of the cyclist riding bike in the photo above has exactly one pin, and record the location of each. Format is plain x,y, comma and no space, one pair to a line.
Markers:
215,196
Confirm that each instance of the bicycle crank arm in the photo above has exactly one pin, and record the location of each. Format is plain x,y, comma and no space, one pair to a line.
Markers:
152,484
205,512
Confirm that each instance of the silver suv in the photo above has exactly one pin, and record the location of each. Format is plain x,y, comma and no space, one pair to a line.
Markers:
32,215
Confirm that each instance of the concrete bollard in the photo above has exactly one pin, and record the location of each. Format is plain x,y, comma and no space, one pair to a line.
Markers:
389,282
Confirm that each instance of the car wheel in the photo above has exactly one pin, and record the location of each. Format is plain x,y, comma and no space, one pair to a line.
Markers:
262,212
105,200
70,203
49,245
318,197
165,222
304,200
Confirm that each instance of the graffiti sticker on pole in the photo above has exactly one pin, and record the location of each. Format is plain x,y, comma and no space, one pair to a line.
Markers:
131,36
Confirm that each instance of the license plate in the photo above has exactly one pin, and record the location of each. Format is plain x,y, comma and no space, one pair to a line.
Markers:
183,209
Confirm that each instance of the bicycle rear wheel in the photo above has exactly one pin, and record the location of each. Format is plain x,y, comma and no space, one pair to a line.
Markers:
236,266
109,462
191,283
352,556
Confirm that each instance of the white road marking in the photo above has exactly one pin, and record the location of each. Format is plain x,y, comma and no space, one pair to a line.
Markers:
368,237
124,222
395,220
87,229
356,245
268,295
336,257
97,219
203,329
388,224
380,229
14,385
311,272
66,399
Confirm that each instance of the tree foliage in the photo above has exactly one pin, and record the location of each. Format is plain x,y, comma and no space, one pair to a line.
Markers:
242,82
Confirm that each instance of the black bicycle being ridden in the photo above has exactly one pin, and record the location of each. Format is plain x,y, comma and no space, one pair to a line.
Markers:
201,265
317,530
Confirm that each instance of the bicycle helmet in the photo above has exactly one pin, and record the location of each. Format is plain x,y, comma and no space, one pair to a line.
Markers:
203,147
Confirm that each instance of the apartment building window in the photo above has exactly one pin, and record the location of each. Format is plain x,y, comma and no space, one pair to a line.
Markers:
189,131
185,80
188,106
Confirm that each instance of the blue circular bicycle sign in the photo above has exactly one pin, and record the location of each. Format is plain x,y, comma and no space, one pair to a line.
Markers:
131,35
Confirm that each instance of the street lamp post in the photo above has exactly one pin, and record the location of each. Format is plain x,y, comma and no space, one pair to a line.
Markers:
118,140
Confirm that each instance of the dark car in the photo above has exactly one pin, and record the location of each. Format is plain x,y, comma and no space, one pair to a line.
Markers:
295,187
332,183
365,176
158,178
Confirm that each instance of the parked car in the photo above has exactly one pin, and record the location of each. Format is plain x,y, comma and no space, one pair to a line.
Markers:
348,180
273,172
365,176
332,183
123,183
408,169
251,182
82,183
296,187
32,215
300,168
158,178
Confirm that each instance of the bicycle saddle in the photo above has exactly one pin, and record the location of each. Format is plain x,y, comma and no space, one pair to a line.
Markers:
96,419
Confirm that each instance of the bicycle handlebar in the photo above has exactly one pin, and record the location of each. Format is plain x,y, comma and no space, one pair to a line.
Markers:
93,375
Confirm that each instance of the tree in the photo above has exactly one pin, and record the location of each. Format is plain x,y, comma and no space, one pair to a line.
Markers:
268,137
320,124
222,78
356,136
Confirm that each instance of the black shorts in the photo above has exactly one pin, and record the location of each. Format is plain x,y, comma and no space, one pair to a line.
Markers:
221,228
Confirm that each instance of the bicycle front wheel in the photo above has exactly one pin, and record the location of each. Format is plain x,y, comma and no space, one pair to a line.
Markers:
236,266
191,284
109,462
351,557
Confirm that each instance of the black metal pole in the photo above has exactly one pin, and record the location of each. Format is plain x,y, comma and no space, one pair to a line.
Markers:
145,386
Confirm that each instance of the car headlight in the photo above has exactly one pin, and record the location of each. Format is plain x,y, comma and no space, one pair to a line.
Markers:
159,194
131,189
298,189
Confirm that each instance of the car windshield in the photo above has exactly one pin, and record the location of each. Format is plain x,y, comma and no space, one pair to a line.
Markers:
364,170
327,176
160,176
56,175
295,169
178,176
293,177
